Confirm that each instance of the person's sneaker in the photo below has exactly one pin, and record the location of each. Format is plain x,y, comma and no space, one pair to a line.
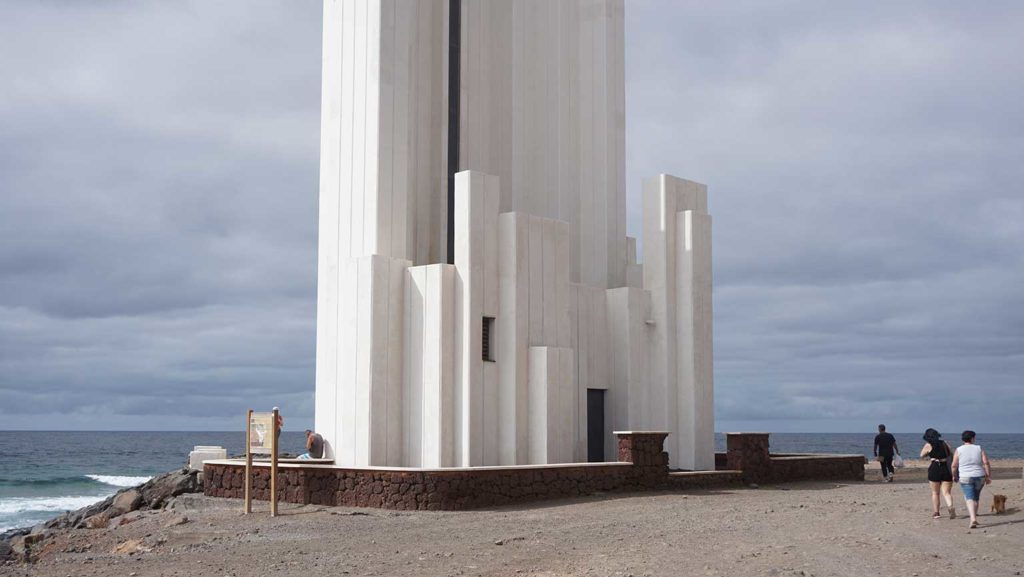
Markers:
952,512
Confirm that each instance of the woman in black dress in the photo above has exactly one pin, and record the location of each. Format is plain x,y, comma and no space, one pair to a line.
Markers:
940,476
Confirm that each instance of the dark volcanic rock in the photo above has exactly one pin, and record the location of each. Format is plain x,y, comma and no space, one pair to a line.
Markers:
125,502
9,535
158,490
98,521
20,549
152,494
77,519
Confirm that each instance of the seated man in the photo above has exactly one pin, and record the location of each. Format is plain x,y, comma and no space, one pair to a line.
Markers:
314,446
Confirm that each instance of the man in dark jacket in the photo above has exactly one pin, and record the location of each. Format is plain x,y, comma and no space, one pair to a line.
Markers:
885,447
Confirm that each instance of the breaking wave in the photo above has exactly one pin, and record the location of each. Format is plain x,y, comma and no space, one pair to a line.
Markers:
119,481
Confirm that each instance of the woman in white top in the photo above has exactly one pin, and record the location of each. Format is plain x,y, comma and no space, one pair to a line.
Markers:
971,469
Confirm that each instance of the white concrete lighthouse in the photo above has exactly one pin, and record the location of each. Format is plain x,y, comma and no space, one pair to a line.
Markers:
479,302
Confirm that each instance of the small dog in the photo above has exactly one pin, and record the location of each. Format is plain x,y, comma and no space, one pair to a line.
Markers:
998,504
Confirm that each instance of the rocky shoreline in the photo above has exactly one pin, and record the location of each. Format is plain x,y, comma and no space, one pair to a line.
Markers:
121,508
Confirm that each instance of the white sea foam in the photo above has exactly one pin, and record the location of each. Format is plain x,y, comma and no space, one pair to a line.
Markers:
23,511
16,505
119,481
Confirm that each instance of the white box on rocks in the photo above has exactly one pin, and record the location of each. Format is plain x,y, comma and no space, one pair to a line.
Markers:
201,453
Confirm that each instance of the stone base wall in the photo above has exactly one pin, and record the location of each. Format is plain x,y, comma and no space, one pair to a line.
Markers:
422,490
645,451
643,467
699,480
749,453
816,468
455,489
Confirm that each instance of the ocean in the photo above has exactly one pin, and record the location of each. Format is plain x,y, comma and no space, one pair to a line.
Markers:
43,474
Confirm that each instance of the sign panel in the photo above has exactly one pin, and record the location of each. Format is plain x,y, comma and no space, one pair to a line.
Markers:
261,430
261,433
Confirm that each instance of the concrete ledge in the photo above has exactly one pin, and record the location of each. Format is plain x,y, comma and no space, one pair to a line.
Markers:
309,464
641,433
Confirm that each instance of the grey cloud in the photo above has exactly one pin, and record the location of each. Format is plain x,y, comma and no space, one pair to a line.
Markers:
864,185
158,212
158,179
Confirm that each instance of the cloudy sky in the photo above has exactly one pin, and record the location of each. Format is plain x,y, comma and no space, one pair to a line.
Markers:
158,194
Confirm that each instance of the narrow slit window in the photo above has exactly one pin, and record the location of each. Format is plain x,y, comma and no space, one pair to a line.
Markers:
487,345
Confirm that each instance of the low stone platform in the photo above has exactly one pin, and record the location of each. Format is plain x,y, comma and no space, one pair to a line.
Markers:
789,468
749,453
642,466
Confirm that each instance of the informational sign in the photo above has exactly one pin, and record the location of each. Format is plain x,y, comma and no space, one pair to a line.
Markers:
261,438
261,433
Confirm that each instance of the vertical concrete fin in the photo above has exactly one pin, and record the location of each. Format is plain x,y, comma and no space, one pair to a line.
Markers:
476,218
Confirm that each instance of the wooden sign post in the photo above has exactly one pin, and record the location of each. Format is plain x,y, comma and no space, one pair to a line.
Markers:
261,431
248,463
273,465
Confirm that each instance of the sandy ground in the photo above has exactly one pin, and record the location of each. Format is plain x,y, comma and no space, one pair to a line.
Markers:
821,529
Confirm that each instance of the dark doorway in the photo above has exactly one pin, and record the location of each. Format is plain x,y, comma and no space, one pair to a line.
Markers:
595,425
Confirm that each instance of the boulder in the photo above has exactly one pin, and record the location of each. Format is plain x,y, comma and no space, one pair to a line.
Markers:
77,519
7,536
125,501
20,550
158,490
60,521
6,551
97,521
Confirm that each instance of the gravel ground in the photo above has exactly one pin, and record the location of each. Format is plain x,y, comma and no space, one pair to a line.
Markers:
822,529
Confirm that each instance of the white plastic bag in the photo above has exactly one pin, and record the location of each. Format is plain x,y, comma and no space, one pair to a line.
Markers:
897,461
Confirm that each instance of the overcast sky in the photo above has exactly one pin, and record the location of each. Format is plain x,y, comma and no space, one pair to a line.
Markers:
865,161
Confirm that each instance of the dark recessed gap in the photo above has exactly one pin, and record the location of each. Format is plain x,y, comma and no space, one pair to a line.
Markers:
487,343
454,86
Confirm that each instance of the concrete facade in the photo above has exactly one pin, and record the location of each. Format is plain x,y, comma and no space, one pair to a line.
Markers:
543,108
542,264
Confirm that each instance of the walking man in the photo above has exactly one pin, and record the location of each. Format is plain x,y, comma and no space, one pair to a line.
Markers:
885,447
